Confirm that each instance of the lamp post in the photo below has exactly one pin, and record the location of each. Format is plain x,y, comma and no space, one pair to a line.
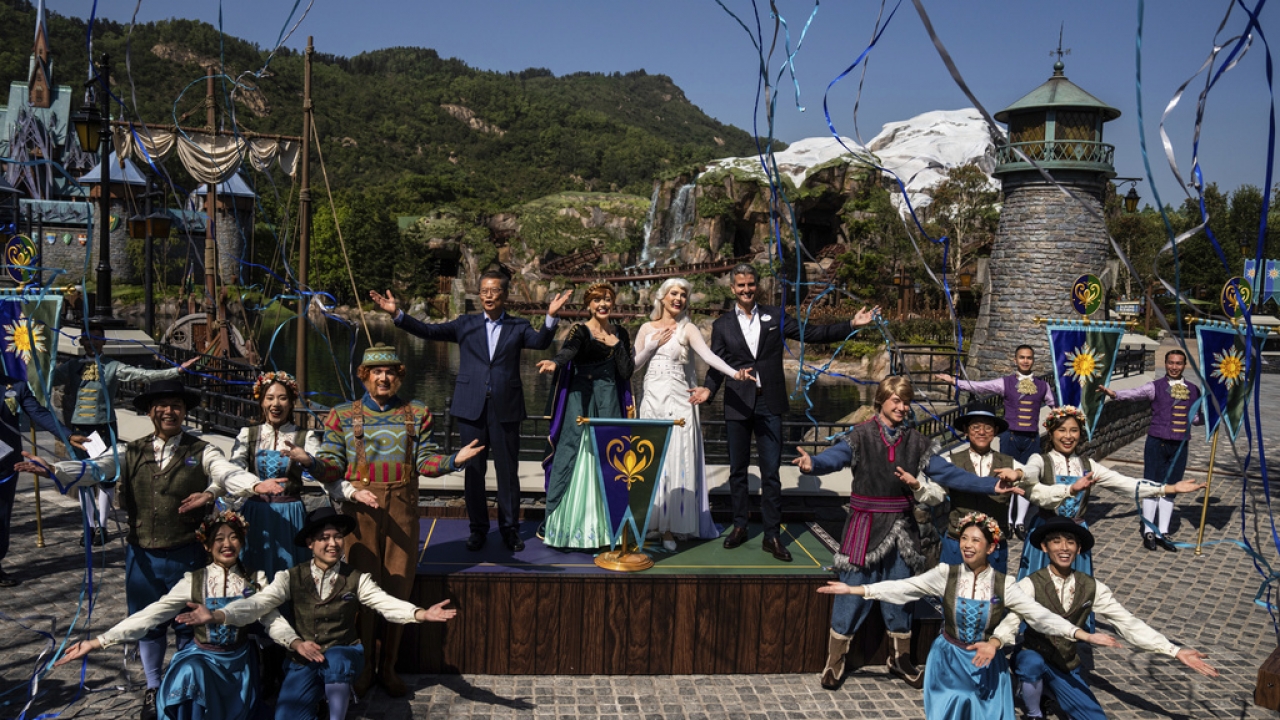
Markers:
84,122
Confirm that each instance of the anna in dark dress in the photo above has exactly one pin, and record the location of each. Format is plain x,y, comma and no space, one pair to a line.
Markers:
595,366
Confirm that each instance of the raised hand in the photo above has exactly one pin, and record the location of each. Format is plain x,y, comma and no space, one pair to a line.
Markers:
84,647
1102,640
436,613
865,316
468,452
945,378
365,497
269,487
1185,486
983,653
307,649
33,464
662,336
1084,483
547,366
744,374
191,363
297,454
387,303
557,303
1194,659
699,395
195,501
907,478
197,614
804,462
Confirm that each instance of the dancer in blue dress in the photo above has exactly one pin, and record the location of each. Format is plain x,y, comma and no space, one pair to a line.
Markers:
1069,476
217,675
966,676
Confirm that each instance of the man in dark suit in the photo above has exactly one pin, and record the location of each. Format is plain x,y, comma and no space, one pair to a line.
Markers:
752,336
488,397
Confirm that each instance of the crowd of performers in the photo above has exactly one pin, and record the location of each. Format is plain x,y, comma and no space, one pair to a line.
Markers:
325,594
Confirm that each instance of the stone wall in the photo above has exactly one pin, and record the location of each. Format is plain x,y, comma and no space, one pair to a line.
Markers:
71,257
1044,242
1121,422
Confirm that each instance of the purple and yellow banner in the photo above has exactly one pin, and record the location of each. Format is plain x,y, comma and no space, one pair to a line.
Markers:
629,454
29,339
1083,357
1264,277
1229,372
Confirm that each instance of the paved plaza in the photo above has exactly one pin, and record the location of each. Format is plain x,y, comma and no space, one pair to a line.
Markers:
1206,602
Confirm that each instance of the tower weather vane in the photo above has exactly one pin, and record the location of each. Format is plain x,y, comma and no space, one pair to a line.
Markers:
1060,52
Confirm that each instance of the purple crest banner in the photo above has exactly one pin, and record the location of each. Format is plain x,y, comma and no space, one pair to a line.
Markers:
630,454
1228,372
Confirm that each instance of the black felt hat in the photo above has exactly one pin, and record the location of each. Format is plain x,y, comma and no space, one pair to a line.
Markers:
165,388
983,414
1059,524
320,517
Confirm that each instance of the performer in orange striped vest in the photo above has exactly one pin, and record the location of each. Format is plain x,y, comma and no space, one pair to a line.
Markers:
382,444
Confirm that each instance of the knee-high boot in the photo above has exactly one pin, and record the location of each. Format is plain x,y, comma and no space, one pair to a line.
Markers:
369,641
837,649
387,677
900,660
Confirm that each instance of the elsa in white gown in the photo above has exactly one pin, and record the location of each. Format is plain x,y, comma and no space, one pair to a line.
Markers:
680,508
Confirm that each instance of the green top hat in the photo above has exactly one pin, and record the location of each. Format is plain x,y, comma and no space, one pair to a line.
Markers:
380,354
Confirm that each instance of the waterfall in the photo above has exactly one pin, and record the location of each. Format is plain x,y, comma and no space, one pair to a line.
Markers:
681,217
648,224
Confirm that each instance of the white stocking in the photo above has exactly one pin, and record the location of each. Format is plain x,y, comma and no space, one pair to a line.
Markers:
338,695
1031,692
1149,510
1165,512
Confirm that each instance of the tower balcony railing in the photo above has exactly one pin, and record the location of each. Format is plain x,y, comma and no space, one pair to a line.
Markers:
1083,152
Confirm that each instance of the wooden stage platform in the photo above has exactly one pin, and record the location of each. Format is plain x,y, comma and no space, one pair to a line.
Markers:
700,610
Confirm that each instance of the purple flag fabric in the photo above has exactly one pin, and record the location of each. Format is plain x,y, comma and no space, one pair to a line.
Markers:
630,453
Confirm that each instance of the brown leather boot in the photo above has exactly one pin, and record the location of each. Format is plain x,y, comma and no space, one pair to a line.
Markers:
387,677
837,648
900,661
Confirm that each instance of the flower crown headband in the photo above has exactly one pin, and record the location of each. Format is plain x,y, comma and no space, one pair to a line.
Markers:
267,379
227,517
985,521
1065,411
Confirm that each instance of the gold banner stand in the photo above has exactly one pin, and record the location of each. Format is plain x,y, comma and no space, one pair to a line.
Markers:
1208,484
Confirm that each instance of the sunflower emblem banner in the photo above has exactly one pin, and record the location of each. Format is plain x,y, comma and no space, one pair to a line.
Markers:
30,338
1083,358
1228,372
629,453
1270,283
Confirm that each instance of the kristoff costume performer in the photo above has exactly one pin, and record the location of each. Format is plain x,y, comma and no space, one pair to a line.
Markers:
881,540
382,449
157,474
1164,458
1024,395
1073,597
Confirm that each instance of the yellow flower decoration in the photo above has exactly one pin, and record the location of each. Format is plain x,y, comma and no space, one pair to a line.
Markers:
24,338
1082,364
1228,366
984,520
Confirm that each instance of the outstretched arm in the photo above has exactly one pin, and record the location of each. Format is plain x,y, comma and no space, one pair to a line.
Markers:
699,346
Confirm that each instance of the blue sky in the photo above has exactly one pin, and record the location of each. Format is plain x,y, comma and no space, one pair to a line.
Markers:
1002,48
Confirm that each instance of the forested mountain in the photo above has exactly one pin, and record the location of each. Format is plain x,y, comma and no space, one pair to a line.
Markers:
424,129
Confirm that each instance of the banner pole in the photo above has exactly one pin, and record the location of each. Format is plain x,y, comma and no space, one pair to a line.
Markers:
35,480
1208,483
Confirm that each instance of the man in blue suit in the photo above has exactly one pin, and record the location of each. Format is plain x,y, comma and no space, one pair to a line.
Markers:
18,395
488,397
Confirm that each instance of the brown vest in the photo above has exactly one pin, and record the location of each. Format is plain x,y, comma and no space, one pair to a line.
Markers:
998,610
238,636
963,502
1059,651
151,494
329,621
1048,477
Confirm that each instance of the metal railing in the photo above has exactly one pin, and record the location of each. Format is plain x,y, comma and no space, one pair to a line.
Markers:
1133,360
1080,151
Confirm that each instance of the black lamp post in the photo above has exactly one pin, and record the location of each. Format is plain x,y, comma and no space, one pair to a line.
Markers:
1131,200
100,142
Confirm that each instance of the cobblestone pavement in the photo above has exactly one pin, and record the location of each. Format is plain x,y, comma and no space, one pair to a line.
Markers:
1205,602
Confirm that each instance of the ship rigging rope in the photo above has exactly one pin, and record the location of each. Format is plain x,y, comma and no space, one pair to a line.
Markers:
337,225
